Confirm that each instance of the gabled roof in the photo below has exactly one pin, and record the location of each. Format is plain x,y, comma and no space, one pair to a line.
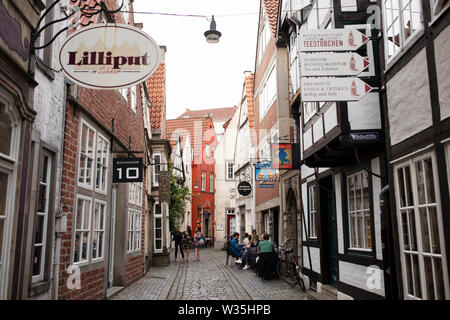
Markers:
194,127
218,114
271,8
156,86
249,91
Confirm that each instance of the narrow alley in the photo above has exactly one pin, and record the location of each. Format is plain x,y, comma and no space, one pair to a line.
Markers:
187,281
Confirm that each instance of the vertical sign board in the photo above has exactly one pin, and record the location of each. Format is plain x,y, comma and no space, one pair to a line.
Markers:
265,175
164,187
127,170
282,156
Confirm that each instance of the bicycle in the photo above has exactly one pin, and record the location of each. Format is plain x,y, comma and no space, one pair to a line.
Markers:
288,268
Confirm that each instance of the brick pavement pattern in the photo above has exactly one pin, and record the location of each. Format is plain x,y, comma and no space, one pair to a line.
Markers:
208,279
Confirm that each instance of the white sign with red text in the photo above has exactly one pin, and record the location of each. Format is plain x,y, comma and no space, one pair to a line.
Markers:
348,39
109,56
332,64
333,89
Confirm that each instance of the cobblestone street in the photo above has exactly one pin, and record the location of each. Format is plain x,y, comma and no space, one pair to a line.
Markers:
207,279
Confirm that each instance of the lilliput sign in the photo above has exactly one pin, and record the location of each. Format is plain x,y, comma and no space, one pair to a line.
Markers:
109,56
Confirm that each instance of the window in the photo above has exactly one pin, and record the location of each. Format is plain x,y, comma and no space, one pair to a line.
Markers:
5,132
135,193
203,181
157,169
158,228
309,110
102,164
420,229
439,6
207,151
264,37
230,170
41,219
124,93
266,223
211,182
268,93
91,144
82,229
133,99
359,212
46,36
402,20
134,230
98,230
312,210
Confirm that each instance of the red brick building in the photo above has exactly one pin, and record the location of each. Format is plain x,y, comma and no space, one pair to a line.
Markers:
104,241
203,142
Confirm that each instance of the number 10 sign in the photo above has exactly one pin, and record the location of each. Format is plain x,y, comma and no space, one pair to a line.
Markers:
127,170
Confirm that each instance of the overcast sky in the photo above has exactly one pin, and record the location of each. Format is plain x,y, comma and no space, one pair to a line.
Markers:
202,75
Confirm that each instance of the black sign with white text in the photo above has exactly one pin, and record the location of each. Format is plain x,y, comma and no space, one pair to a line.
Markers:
127,170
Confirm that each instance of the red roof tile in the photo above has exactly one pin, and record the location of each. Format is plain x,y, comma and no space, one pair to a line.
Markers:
249,90
216,114
271,8
196,128
156,85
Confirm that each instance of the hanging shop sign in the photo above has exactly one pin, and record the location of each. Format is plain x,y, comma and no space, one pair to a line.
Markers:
266,176
164,187
365,137
282,156
109,56
348,39
333,89
244,188
332,64
127,170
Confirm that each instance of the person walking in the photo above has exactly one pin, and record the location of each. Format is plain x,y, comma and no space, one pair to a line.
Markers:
197,237
187,243
178,238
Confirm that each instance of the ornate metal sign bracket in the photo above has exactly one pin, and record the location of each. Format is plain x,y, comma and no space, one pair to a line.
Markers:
77,12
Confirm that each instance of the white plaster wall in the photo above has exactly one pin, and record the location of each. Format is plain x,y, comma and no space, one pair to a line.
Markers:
442,52
49,102
330,118
365,114
376,187
224,152
339,222
409,100
315,258
358,276
307,139
318,129
343,296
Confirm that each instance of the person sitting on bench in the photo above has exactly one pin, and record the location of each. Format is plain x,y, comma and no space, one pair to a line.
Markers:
236,247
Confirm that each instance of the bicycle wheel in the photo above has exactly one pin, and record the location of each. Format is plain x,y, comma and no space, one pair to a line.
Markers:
287,272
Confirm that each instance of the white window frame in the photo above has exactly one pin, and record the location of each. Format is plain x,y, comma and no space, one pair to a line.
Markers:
159,217
82,230
134,99
265,101
403,44
207,151
101,230
124,93
135,191
266,223
211,182
411,163
102,190
438,7
230,170
264,36
79,154
364,213
312,211
130,230
155,182
203,181
40,277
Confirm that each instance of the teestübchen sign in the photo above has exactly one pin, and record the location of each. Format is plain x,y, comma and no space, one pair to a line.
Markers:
348,39
109,56
332,64
333,89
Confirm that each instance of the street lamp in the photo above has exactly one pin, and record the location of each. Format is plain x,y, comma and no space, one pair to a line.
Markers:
212,35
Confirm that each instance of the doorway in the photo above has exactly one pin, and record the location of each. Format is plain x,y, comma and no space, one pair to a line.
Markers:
276,226
328,231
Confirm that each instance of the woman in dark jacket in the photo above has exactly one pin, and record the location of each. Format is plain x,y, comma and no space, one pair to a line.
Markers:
178,238
188,243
